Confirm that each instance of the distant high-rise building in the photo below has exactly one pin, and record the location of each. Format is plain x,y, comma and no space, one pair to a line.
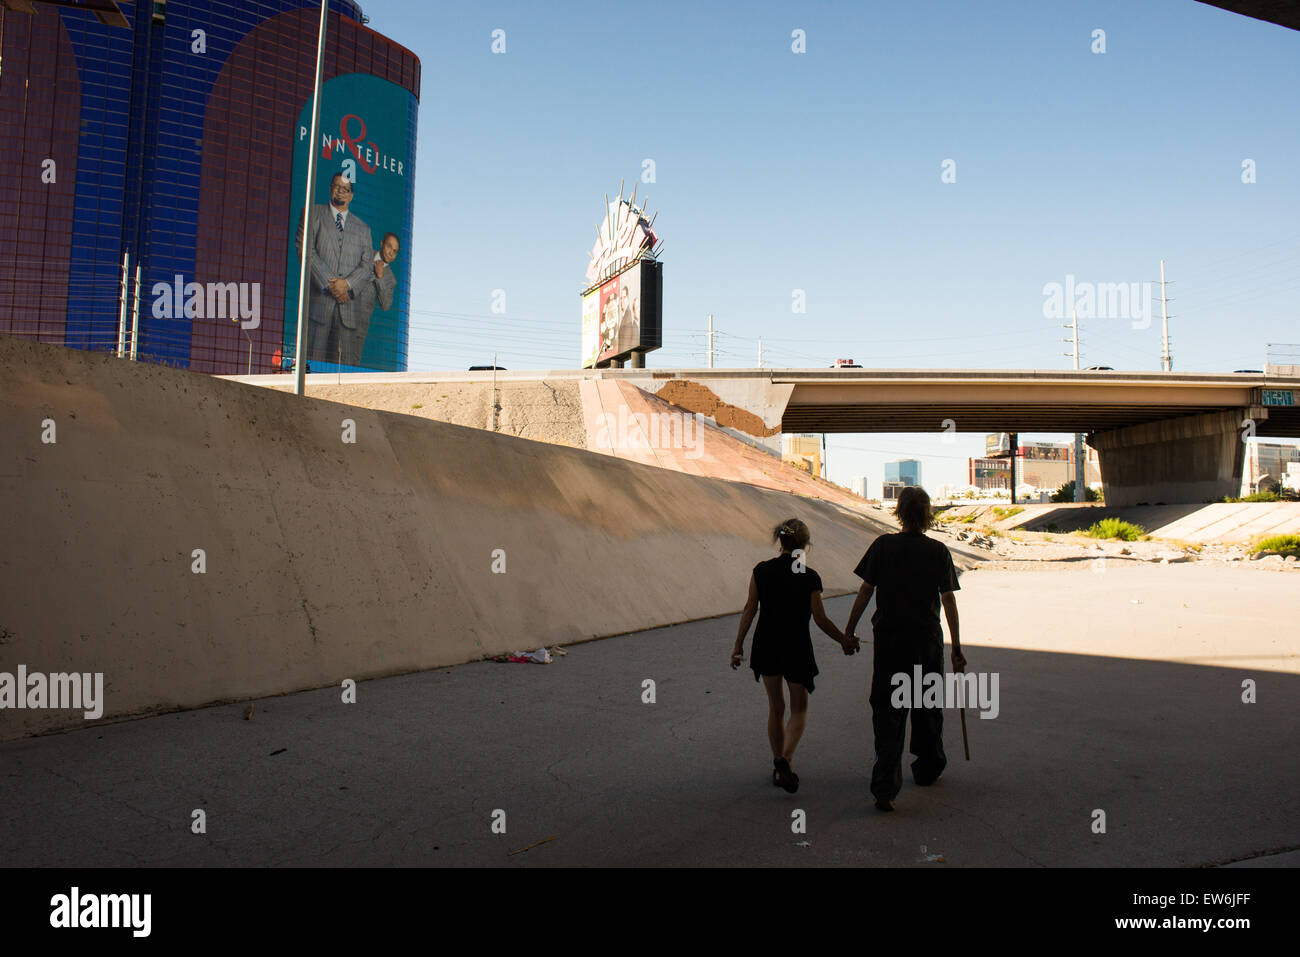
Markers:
1291,480
898,476
907,471
1266,465
990,473
805,451
1043,465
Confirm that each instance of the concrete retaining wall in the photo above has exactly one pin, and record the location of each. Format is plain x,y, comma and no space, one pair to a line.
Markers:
327,560
1223,522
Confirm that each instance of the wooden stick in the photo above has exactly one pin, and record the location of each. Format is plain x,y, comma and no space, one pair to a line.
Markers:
530,846
964,743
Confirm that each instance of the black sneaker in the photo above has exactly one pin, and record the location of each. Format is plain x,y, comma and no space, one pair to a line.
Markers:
787,779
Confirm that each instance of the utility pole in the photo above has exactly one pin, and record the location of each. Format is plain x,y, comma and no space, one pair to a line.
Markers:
1075,325
1080,468
760,352
710,340
495,408
1166,360
1015,444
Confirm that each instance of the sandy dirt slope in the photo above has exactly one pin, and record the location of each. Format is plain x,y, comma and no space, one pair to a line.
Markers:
546,411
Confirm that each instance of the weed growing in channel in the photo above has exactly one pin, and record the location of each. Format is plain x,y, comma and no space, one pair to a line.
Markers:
1115,528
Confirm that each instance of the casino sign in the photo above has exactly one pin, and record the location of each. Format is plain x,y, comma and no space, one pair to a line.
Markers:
622,302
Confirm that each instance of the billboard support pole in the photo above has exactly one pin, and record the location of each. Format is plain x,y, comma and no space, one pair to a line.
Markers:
300,365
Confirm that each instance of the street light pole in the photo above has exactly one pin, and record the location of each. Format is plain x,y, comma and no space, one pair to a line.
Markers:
304,275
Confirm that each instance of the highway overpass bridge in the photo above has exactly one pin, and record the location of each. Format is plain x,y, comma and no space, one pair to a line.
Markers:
1161,436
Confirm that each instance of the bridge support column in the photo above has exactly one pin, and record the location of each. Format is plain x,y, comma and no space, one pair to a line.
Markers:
1194,459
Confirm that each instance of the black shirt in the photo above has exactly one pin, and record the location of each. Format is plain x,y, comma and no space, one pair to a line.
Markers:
784,597
909,571
782,643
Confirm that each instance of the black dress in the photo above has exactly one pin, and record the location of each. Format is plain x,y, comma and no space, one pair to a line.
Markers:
782,643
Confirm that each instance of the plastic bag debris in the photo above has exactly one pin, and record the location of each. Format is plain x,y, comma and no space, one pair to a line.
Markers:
931,858
539,657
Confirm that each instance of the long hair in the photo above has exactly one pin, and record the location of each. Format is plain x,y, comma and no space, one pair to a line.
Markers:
913,509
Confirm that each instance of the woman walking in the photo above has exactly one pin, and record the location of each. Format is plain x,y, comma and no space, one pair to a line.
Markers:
787,593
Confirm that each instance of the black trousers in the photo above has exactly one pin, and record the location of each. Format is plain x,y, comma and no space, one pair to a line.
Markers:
894,654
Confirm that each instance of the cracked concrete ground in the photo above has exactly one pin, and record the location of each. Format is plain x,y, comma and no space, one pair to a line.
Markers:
1100,709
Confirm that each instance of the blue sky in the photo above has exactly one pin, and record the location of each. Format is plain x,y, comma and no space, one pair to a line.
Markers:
820,171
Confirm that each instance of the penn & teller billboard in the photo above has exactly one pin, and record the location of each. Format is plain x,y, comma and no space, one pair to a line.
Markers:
358,232
624,314
622,307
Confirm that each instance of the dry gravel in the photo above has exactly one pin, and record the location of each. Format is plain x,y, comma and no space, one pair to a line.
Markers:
1016,549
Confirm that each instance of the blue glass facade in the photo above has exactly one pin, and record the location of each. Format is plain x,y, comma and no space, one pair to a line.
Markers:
144,123
906,471
104,58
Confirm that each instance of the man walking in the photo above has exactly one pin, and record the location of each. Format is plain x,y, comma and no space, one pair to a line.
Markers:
910,575
340,248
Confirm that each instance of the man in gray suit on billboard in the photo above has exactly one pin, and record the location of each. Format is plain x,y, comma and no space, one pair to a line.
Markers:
340,250
376,289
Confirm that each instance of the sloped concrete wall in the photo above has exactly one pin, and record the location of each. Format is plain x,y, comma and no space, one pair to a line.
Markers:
627,422
327,560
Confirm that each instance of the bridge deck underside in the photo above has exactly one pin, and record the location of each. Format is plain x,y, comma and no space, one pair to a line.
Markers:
1004,417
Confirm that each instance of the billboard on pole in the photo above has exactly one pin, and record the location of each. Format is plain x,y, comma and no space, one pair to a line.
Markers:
622,308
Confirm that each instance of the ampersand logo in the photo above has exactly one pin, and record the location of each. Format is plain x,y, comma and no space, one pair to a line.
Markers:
354,144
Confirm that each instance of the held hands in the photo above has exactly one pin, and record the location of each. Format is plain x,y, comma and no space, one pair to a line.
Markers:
850,644
338,288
